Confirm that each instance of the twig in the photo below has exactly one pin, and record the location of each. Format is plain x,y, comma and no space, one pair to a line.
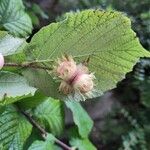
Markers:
26,66
34,123
43,132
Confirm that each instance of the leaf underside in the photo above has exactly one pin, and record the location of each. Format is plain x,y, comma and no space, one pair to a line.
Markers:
13,87
105,37
10,45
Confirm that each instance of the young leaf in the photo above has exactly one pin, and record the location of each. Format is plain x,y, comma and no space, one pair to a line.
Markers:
82,144
9,44
79,143
14,19
13,87
51,115
14,129
41,145
48,144
81,118
105,37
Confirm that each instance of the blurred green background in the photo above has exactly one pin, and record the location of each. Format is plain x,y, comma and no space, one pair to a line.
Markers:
121,117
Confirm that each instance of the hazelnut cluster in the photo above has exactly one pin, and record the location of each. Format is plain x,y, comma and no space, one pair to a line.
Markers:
74,77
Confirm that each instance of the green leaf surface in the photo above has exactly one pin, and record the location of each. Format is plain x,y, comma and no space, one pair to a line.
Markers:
81,118
50,114
9,44
2,109
14,129
14,19
32,102
41,145
13,87
105,37
82,144
44,82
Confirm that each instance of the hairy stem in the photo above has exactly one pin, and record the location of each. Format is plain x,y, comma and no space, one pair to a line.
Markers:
28,65
43,131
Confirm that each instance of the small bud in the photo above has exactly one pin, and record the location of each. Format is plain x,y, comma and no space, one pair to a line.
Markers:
1,61
84,83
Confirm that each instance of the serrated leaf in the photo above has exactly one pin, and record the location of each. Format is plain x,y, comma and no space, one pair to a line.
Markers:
50,114
81,118
14,129
13,87
82,144
9,44
105,37
14,19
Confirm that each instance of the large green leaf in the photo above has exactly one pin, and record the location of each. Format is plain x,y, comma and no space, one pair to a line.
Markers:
9,44
14,19
81,118
14,129
106,37
13,87
50,114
